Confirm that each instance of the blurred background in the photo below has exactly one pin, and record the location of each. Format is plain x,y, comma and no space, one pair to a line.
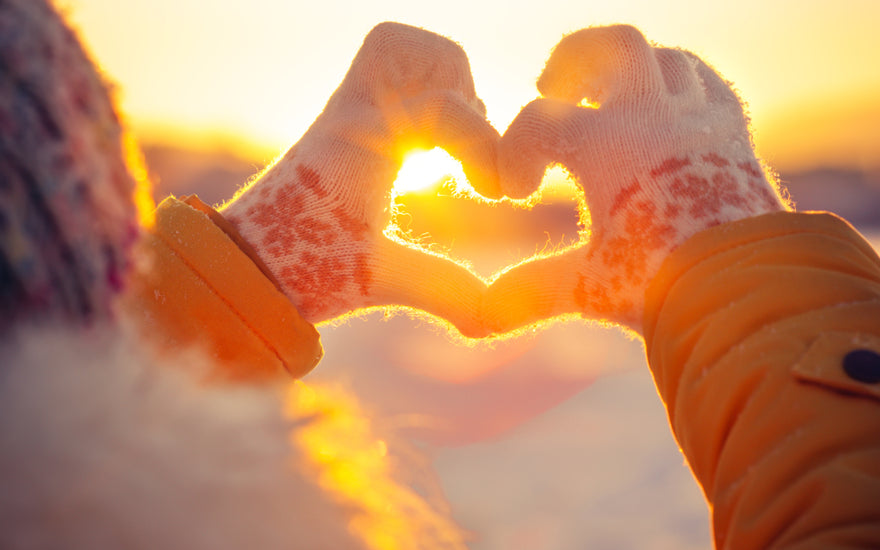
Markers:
555,439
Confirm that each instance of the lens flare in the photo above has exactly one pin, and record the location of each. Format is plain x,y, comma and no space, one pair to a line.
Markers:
424,171
137,167
346,457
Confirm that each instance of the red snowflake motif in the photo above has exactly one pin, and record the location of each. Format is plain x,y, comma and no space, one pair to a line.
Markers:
311,180
716,160
670,166
624,197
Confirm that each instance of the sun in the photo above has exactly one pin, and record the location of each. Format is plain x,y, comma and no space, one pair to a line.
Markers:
424,171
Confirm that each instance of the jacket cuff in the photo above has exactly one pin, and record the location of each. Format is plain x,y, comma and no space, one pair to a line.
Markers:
725,242
199,284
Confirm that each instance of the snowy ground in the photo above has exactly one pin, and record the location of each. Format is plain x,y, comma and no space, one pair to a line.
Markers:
566,446
599,471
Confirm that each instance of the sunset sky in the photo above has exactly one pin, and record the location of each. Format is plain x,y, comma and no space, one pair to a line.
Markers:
260,71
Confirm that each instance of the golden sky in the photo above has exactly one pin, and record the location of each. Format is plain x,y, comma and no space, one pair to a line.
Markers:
262,70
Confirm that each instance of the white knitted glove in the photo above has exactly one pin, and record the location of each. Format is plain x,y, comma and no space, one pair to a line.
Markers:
666,154
316,217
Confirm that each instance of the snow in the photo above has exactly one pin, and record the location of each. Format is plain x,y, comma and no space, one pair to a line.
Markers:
586,458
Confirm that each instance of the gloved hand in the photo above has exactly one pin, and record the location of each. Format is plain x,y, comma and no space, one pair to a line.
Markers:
316,218
662,152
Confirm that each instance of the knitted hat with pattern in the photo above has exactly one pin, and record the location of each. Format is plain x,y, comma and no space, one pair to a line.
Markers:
67,217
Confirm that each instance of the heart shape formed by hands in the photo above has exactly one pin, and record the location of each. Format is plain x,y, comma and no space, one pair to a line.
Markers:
666,154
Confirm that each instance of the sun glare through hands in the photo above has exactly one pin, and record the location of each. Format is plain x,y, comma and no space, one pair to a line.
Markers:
424,171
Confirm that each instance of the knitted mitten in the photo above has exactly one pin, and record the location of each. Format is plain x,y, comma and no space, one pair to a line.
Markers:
316,218
662,151
67,214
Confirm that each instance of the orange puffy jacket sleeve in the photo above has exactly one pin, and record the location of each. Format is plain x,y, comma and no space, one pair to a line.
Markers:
763,337
198,284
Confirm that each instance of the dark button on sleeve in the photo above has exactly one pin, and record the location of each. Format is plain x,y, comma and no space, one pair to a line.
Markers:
862,365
